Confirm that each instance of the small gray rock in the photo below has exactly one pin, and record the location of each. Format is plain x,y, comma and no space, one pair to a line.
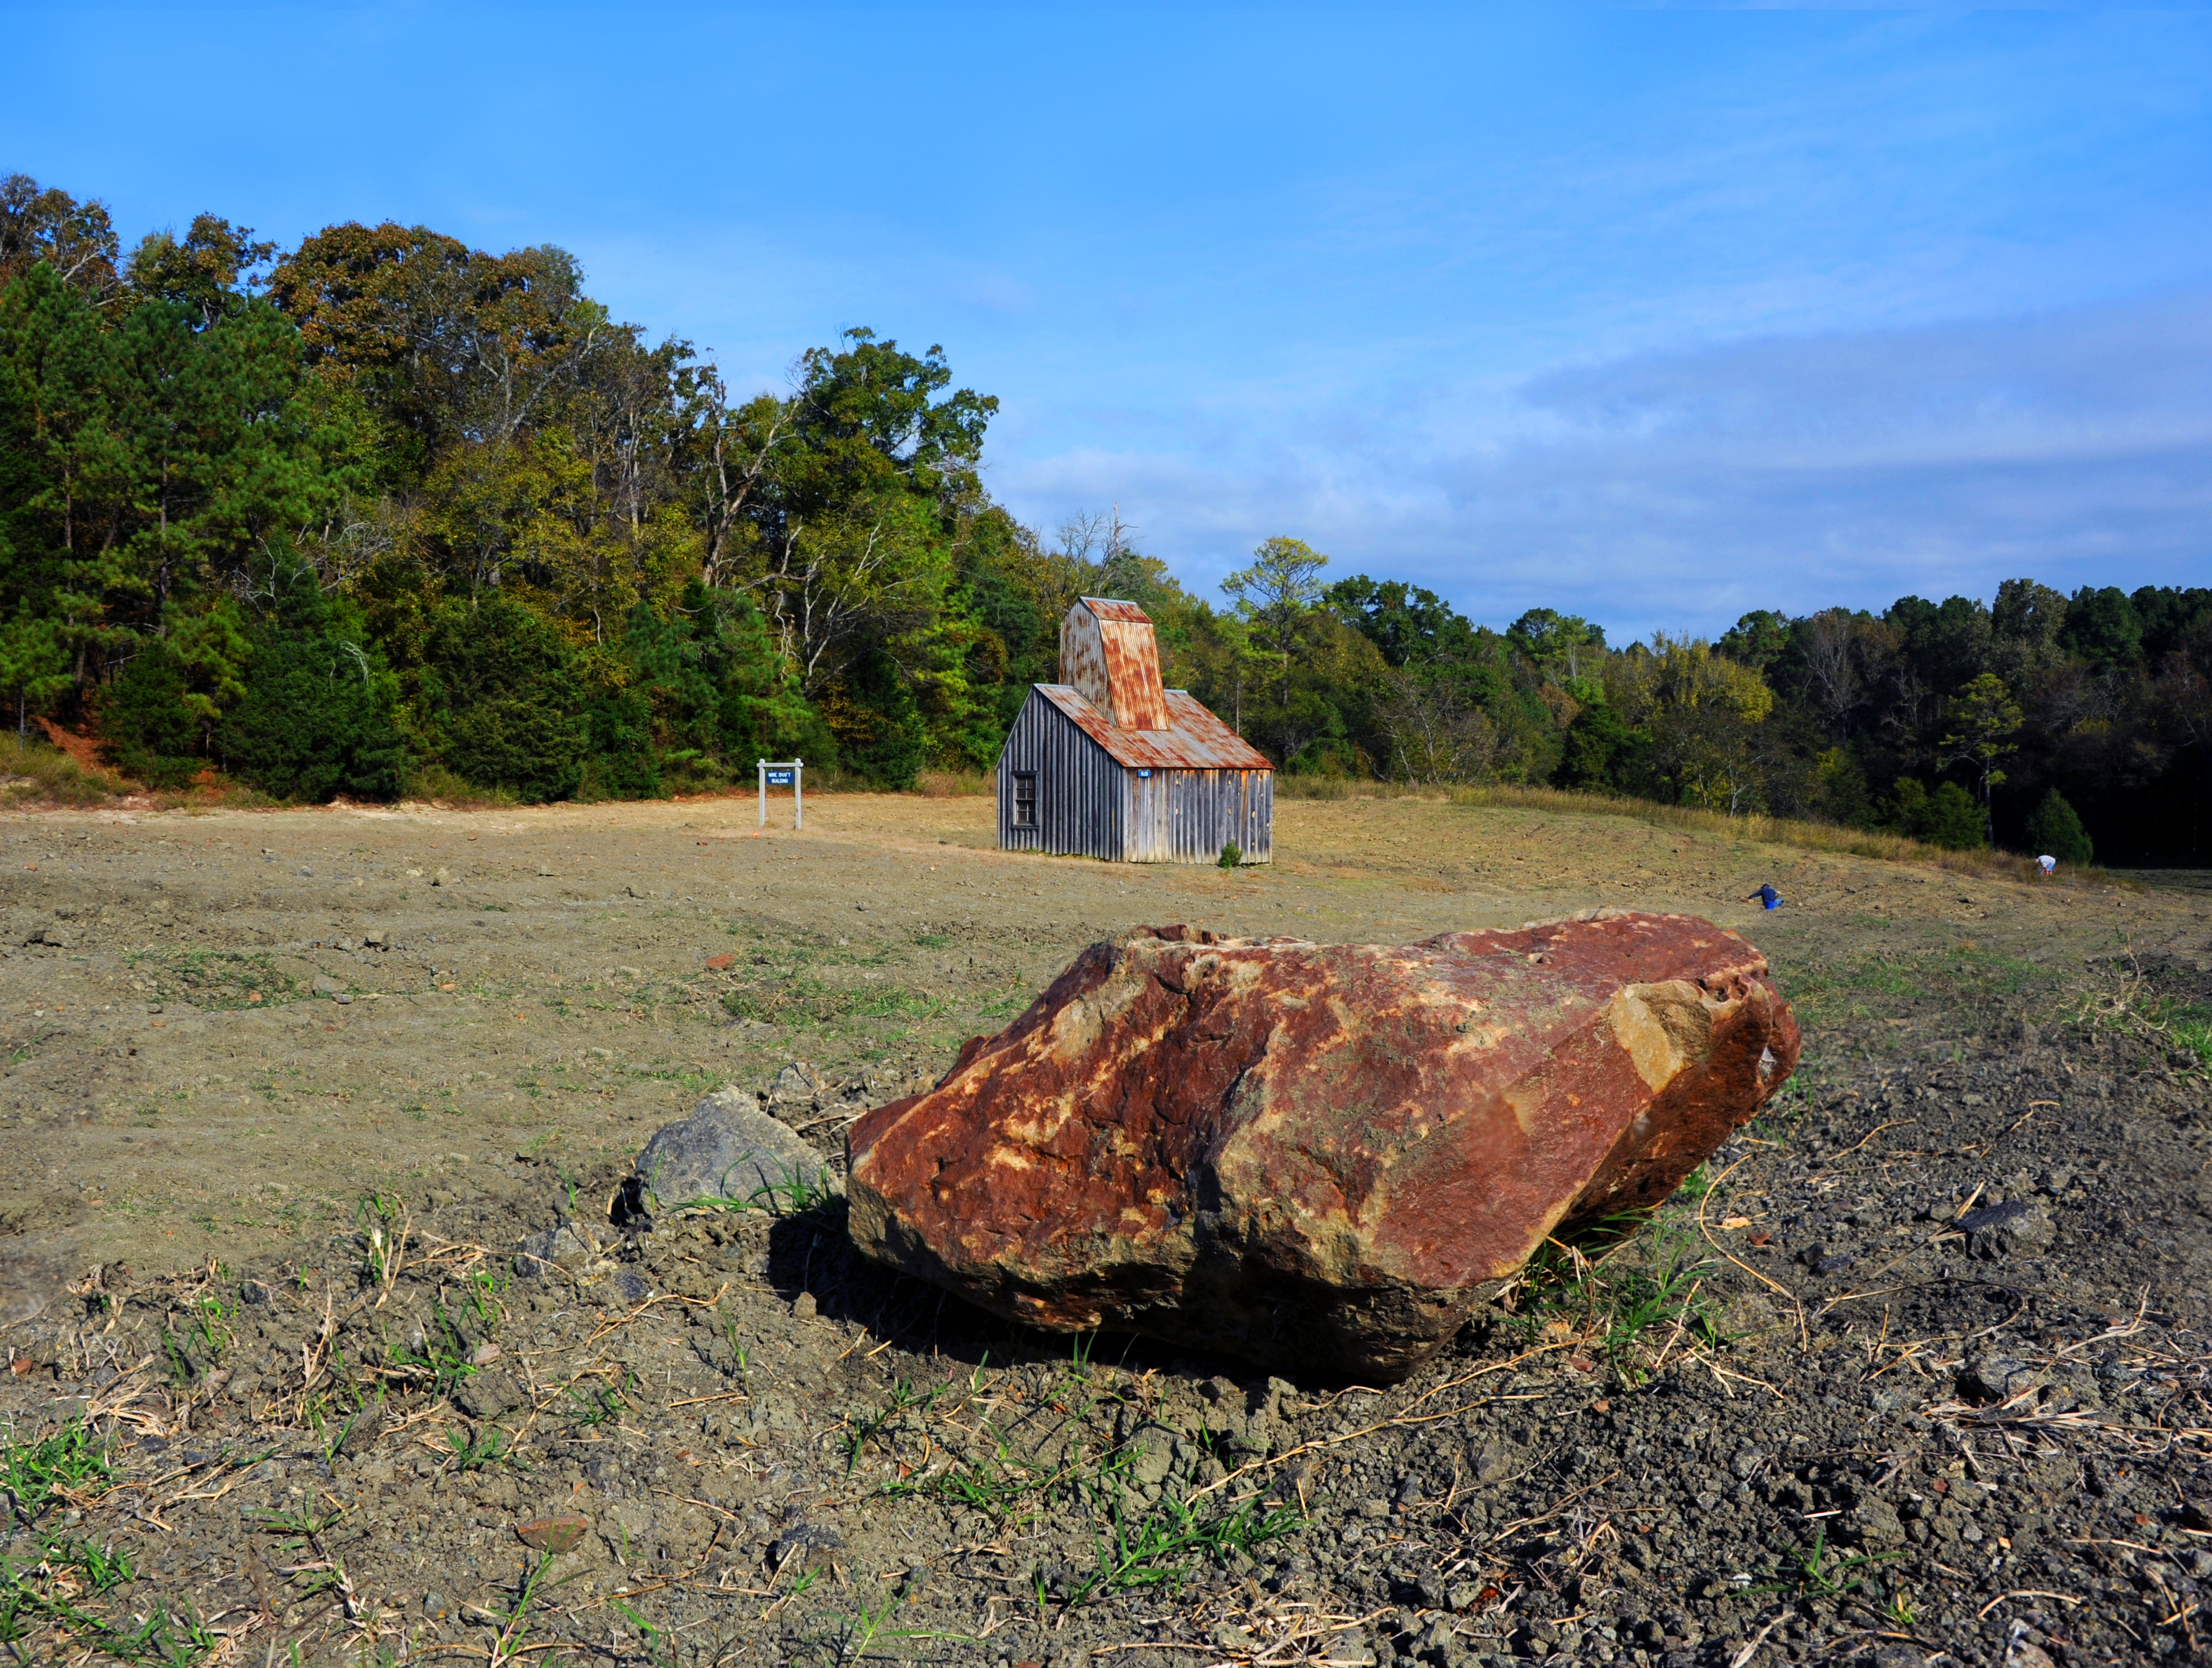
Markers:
560,1247
1152,1447
488,1394
728,1148
29,1283
2019,1227
362,1430
1998,1378
324,985
1875,1523
802,1537
1352,1646
796,1081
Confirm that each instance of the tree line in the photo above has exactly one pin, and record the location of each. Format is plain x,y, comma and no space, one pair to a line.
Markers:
386,514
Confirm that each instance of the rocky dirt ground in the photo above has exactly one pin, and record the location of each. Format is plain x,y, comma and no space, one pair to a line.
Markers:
322,1347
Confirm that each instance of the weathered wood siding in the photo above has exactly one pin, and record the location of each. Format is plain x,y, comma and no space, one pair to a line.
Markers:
1092,805
1188,816
1081,791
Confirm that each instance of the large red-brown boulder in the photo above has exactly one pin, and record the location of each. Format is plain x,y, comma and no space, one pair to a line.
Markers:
1318,1156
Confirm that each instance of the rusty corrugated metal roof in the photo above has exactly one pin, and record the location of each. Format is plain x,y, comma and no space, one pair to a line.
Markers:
1108,608
1132,673
1107,651
1193,739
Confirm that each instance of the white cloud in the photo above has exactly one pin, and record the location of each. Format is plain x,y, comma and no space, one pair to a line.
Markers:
1679,489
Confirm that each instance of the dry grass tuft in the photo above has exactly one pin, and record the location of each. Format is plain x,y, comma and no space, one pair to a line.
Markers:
435,786
956,784
39,773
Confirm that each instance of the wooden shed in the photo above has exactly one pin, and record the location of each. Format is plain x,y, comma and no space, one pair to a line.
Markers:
1109,763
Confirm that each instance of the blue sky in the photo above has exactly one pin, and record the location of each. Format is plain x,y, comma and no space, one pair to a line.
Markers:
1652,315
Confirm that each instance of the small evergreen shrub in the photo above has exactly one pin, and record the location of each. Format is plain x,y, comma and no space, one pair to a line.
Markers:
1843,795
1231,855
878,727
1594,741
1946,817
1326,756
623,764
2054,829
317,717
153,734
502,691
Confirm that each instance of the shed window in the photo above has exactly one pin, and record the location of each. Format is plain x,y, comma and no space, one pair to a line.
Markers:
1024,800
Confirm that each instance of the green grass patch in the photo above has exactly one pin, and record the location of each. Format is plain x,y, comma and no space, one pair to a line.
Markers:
472,1451
1623,1293
1047,1437
2157,1005
1821,1572
211,979
1160,1548
74,1457
1869,989
801,1001
47,1583
2194,1032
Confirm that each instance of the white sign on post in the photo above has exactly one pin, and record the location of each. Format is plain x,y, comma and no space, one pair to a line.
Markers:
784,775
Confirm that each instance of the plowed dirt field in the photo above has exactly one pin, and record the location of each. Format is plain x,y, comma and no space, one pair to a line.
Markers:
1870,1418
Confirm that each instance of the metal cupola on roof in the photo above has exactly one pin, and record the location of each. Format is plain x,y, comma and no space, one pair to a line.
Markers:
1109,763
1108,653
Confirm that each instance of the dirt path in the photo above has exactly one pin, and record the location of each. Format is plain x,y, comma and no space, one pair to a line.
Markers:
227,1032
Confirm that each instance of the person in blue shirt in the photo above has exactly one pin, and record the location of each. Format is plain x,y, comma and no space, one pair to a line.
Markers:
1768,898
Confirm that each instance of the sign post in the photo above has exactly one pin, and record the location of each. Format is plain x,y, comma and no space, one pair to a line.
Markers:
787,774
